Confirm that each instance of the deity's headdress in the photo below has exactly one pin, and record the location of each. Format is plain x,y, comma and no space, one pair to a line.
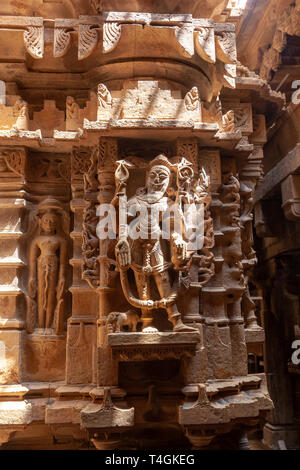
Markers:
161,160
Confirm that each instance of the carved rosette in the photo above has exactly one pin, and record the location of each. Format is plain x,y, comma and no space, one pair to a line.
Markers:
34,41
88,39
111,36
62,42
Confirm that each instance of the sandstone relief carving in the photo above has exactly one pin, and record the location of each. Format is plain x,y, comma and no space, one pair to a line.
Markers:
117,320
148,255
88,39
62,42
47,269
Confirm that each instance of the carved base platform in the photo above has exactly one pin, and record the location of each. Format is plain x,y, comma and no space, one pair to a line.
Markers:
151,346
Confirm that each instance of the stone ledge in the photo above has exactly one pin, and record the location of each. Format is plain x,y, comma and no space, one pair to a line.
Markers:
152,346
155,338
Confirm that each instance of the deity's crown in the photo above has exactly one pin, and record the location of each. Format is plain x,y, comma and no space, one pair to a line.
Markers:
161,160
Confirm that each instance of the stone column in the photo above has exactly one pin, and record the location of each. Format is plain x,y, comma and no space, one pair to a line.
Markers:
12,302
107,368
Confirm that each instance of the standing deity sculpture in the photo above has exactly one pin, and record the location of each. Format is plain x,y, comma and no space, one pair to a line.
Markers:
153,245
47,269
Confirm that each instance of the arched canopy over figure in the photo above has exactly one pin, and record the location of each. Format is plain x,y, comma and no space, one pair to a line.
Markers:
47,269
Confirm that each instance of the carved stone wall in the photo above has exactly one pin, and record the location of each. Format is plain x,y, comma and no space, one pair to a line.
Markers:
107,114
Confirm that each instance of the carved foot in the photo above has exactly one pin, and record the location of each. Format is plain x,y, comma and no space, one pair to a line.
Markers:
182,327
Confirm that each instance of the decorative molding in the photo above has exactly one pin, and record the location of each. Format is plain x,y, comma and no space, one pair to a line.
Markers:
34,41
87,40
111,35
80,161
226,47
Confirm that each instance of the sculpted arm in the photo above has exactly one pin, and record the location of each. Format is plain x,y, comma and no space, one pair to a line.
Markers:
62,269
33,255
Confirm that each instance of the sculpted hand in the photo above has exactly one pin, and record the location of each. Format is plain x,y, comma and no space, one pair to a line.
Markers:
123,253
180,247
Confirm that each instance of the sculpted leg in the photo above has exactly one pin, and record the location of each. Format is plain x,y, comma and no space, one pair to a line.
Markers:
164,288
51,301
143,288
41,296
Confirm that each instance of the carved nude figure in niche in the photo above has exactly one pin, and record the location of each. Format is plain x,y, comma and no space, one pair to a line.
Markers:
47,270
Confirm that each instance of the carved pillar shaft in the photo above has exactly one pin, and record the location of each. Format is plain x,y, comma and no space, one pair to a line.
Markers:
12,211
107,156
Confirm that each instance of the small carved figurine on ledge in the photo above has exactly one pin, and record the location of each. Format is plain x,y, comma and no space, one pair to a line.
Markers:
47,270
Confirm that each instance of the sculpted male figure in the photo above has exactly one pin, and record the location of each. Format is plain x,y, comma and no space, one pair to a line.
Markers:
145,248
